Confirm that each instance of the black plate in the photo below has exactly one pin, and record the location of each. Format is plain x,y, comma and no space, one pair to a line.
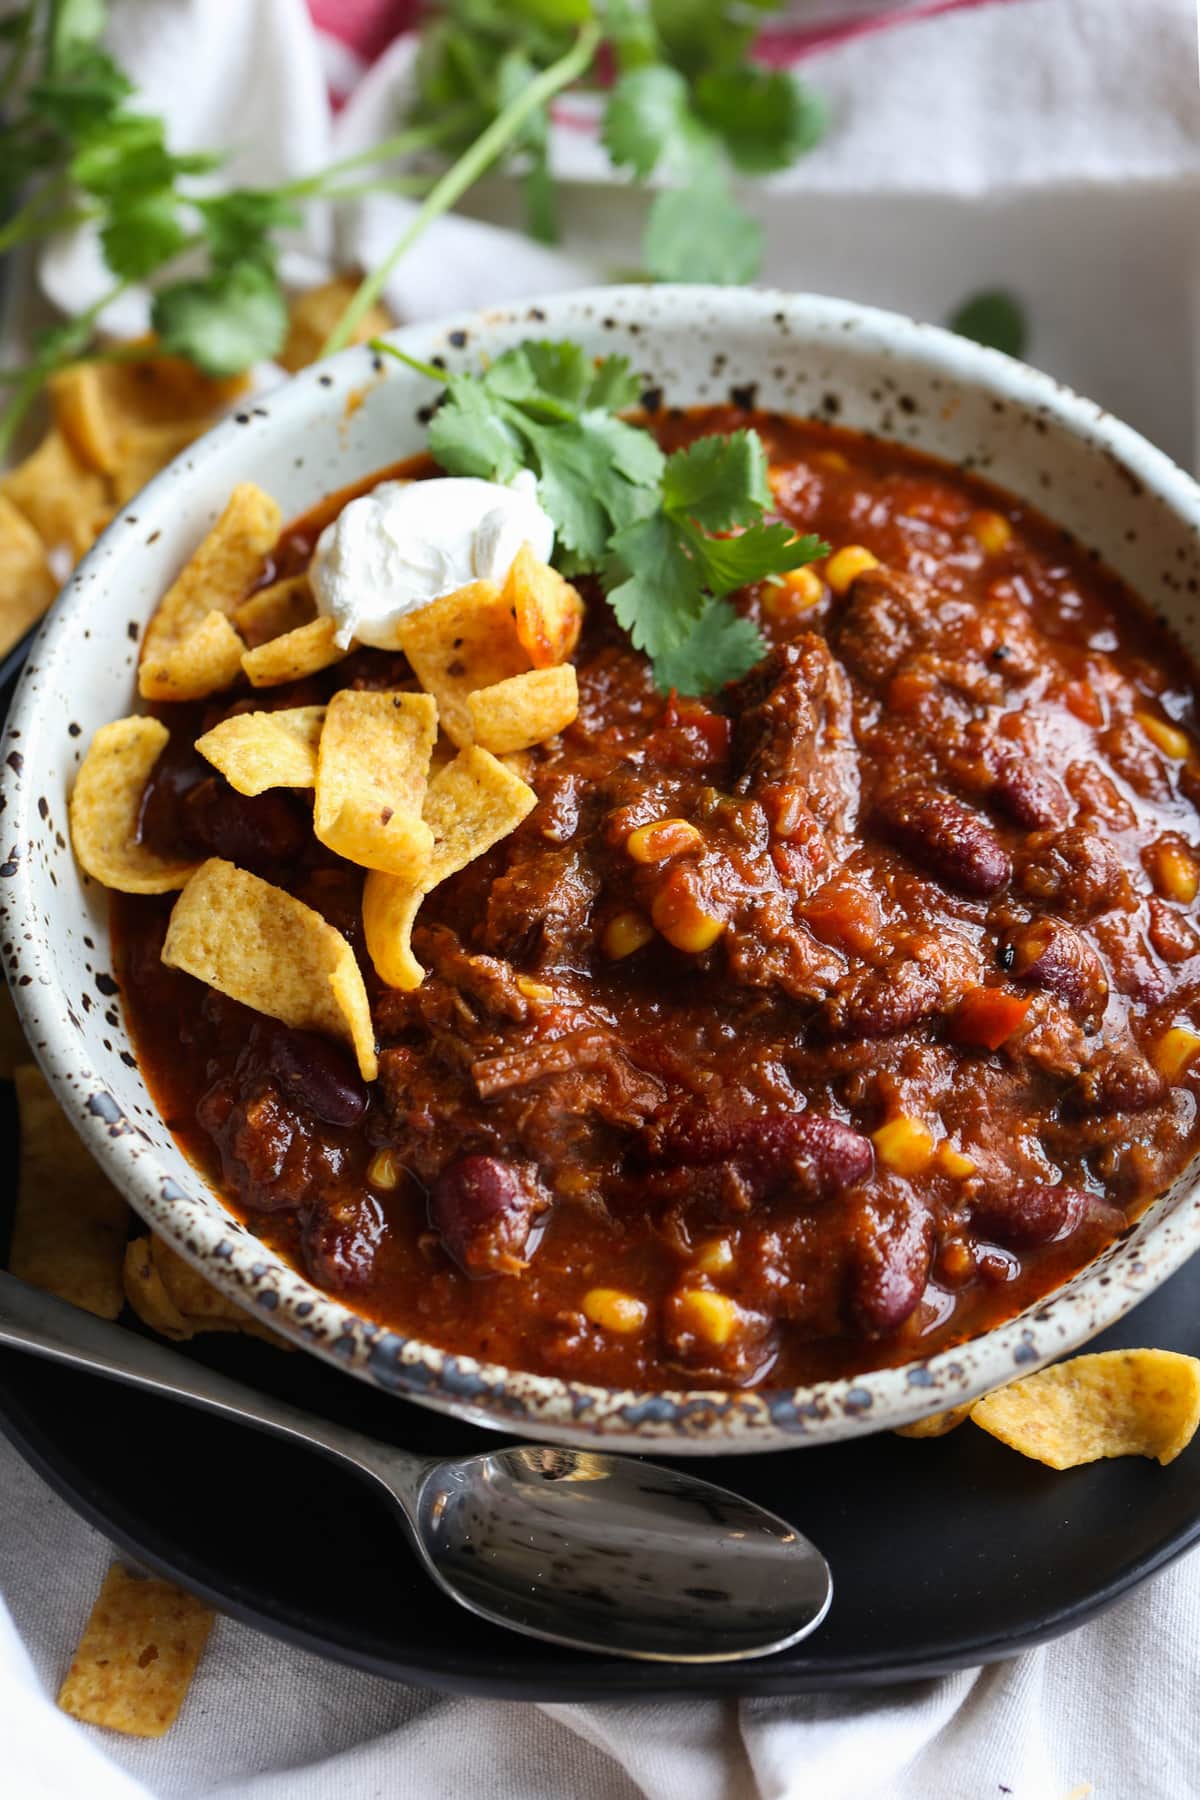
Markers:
945,1553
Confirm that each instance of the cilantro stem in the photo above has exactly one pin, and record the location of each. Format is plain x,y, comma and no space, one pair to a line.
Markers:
465,172
418,137
30,223
29,384
393,184
410,362
20,51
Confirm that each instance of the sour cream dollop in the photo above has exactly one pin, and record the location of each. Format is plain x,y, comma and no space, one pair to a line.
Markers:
392,551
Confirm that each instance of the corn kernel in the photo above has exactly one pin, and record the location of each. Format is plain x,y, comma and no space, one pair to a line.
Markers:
1174,1051
710,1316
626,933
662,839
612,1310
714,1257
682,922
847,563
1176,874
905,1145
1170,740
383,1171
991,531
779,478
953,1162
833,460
804,583
534,990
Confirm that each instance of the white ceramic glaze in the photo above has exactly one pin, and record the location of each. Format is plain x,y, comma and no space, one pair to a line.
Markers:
331,425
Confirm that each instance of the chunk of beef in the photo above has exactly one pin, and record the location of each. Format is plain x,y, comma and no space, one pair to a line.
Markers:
1076,872
485,1209
887,617
792,728
539,910
341,1239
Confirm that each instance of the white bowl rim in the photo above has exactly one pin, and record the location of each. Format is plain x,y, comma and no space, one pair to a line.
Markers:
686,1421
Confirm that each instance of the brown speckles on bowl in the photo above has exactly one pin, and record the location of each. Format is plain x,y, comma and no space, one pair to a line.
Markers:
787,353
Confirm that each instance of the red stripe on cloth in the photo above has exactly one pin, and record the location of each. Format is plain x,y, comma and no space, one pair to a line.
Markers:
366,26
791,44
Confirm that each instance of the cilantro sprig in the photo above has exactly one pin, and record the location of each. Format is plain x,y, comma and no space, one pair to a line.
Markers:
669,537
685,104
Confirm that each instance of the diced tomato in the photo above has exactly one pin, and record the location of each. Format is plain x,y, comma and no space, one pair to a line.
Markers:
988,1016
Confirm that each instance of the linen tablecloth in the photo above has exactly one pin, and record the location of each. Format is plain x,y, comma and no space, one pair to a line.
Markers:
1047,146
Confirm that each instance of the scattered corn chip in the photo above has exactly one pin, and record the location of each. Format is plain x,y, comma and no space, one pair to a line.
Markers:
372,772
314,315
27,585
257,944
105,803
936,1424
524,710
1113,1403
464,641
275,610
389,911
214,580
84,416
147,1293
206,661
144,450
68,1232
176,1299
260,750
162,390
66,502
547,609
472,803
293,655
137,1655
470,806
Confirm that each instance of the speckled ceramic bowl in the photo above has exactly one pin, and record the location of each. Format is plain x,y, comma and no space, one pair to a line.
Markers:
330,426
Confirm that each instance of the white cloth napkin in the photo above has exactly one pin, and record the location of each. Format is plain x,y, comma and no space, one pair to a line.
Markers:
1049,146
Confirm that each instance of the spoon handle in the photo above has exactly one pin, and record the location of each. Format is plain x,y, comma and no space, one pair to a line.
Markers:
50,1327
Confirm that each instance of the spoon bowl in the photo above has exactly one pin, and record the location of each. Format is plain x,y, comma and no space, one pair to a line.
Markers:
601,1553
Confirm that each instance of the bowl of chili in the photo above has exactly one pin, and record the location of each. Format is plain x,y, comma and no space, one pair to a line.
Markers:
817,1054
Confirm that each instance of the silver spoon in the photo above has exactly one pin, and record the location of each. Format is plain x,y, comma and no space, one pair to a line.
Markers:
603,1553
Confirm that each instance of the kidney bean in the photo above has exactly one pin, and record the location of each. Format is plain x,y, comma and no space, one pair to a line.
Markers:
889,1269
1051,955
1028,794
809,1152
318,1075
945,837
1075,871
484,1209
258,832
1026,1216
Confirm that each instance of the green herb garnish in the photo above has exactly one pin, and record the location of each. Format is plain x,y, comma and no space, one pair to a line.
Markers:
993,318
668,536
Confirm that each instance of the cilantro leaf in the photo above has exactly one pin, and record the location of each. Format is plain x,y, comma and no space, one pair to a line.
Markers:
238,224
130,156
468,436
223,322
655,592
721,647
765,118
142,233
729,563
993,318
718,481
648,119
75,24
614,385
81,94
699,233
